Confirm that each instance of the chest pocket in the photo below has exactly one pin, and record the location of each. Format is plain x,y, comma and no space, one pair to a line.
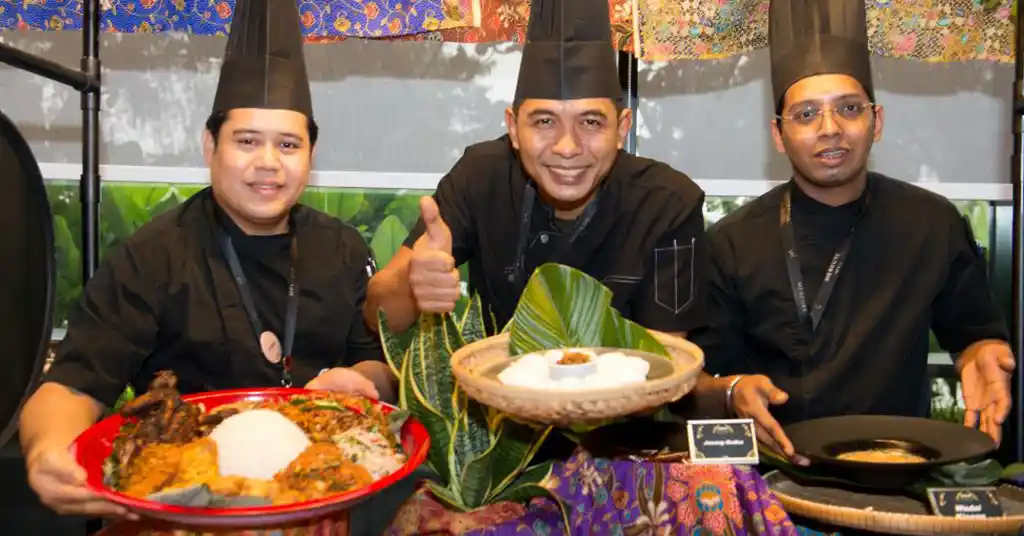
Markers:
674,277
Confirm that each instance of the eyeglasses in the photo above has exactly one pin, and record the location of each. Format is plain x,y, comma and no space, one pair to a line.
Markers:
812,115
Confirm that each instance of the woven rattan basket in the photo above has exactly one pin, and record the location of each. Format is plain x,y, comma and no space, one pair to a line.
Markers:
877,520
476,367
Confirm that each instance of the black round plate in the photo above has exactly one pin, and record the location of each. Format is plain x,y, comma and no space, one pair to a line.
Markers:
941,443
26,275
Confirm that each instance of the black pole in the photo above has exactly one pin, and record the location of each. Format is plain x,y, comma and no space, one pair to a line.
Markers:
628,66
90,184
19,59
1017,267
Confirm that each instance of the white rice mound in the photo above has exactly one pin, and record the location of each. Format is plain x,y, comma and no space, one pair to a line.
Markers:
257,444
613,369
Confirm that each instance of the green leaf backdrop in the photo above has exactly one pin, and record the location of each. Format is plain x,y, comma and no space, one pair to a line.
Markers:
384,218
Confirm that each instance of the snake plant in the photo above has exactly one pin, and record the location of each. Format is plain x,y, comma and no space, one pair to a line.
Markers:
480,456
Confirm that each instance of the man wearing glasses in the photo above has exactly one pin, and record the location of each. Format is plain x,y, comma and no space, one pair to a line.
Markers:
824,289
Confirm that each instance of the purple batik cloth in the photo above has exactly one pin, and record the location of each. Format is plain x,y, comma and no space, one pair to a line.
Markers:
621,497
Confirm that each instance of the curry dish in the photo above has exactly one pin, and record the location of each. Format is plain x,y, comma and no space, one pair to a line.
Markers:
574,358
165,446
886,455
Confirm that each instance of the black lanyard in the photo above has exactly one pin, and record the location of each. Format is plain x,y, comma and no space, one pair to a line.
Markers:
515,272
812,316
291,309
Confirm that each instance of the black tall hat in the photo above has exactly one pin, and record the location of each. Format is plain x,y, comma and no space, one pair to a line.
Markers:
568,53
263,64
810,37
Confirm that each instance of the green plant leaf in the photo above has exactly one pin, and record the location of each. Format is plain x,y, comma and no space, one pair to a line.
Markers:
528,485
476,479
431,361
405,207
66,244
559,307
472,434
1014,470
967,475
472,326
387,239
440,430
396,350
517,444
396,420
620,332
316,199
445,497
345,205
564,307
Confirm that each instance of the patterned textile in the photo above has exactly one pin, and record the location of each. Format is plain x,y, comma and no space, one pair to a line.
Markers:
619,498
660,30
506,21
320,18
932,30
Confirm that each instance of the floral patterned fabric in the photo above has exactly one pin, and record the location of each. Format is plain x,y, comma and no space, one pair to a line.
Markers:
932,30
619,498
320,18
657,30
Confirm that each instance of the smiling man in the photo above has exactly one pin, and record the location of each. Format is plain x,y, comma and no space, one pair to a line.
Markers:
238,287
557,188
823,290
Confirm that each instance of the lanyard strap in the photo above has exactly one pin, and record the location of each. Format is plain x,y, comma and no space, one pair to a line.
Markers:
811,316
291,308
516,271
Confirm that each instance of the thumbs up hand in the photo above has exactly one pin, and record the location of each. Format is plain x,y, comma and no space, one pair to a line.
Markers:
432,274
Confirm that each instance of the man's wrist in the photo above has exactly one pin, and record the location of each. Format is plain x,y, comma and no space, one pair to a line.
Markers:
730,389
969,354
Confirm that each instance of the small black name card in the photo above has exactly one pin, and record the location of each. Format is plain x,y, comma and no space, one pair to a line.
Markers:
965,502
730,442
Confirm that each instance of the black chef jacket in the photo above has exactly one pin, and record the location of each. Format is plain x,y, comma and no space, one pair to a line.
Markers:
913,264
646,241
166,299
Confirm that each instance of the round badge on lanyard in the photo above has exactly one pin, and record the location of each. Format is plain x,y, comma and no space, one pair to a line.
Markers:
271,347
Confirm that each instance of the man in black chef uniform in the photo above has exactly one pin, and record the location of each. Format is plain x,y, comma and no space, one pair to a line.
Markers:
824,289
239,287
557,188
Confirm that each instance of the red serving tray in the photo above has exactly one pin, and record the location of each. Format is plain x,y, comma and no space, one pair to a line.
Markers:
94,446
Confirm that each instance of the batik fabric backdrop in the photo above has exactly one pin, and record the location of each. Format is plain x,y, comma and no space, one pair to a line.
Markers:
659,30
320,18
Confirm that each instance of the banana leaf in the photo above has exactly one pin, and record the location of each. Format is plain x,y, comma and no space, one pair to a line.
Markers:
563,307
396,420
984,473
1014,473
200,496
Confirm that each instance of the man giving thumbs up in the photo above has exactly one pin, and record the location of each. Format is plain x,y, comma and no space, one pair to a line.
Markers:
557,188
433,278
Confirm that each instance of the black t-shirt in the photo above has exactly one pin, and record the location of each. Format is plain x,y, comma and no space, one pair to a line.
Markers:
646,241
913,265
166,299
